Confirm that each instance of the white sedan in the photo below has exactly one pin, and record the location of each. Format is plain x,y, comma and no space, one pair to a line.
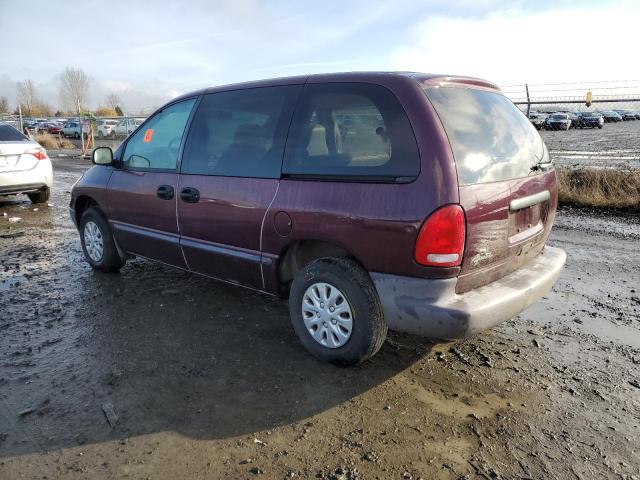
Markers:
105,127
24,166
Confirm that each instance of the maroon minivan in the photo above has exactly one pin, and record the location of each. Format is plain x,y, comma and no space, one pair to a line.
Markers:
419,203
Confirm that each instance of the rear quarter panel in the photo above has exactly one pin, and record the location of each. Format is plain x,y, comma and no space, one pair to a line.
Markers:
376,223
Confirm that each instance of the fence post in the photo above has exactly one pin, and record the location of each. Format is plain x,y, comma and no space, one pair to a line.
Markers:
80,126
526,87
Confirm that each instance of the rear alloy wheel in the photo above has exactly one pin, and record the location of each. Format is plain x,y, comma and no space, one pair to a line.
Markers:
336,312
97,242
327,315
40,196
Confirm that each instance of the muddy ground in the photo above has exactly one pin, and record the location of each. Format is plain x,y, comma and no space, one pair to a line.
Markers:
203,380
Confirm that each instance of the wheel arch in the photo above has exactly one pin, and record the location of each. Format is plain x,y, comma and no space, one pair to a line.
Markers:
82,203
299,253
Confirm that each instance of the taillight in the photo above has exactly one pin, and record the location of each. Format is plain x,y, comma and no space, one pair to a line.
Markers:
39,153
440,242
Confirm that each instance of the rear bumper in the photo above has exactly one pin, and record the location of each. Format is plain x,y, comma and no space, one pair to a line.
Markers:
22,181
432,308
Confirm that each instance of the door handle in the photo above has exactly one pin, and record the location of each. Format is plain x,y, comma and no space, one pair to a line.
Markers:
529,201
190,195
165,192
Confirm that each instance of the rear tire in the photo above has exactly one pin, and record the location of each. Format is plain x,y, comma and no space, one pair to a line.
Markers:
367,328
40,196
97,241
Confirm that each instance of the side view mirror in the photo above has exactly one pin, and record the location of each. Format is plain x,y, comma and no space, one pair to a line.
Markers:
102,156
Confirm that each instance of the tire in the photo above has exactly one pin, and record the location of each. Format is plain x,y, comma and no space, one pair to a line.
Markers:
40,196
76,135
599,126
109,260
100,134
351,281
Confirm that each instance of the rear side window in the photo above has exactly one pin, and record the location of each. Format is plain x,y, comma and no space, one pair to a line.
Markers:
10,134
240,133
491,139
352,131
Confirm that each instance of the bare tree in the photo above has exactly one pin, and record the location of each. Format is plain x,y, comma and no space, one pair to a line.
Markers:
74,88
114,101
4,104
26,96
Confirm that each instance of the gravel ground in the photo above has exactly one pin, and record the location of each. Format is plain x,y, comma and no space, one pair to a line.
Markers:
614,146
155,373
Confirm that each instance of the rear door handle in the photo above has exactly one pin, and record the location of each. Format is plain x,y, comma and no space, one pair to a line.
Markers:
165,192
190,195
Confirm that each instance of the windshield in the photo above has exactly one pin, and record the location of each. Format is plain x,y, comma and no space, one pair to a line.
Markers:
491,139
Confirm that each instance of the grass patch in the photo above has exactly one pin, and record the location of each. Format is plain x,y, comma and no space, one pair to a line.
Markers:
602,188
54,142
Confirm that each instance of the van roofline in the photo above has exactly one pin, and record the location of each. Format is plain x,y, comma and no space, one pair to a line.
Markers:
424,79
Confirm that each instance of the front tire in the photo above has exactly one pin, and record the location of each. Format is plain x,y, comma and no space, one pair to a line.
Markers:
40,196
336,312
98,245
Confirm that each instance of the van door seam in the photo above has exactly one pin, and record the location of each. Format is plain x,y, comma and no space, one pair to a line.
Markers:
262,233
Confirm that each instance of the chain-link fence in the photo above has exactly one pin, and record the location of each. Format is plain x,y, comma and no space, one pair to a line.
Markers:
75,133
585,124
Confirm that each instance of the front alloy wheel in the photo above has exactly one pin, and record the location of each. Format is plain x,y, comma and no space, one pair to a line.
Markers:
93,241
98,245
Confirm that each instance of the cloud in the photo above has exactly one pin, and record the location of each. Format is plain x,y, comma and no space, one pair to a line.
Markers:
569,44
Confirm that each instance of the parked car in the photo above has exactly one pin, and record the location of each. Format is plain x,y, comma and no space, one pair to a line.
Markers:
626,114
41,126
558,121
591,120
371,161
105,127
71,129
24,166
538,120
611,116
575,119
125,126
55,128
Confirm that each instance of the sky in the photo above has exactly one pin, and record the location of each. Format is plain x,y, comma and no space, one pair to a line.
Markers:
149,52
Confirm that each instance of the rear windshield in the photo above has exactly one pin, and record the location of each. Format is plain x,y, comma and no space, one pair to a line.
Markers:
10,134
491,139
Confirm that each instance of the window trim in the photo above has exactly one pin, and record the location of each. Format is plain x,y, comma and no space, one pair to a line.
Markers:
125,144
339,178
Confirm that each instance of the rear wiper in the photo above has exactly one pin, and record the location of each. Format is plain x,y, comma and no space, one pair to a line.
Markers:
541,166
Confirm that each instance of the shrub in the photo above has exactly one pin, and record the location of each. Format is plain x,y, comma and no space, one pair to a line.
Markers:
605,188
54,142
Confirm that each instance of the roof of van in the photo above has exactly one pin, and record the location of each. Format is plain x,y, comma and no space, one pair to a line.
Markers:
425,79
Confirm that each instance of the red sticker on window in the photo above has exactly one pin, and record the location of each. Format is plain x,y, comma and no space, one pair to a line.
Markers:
148,135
